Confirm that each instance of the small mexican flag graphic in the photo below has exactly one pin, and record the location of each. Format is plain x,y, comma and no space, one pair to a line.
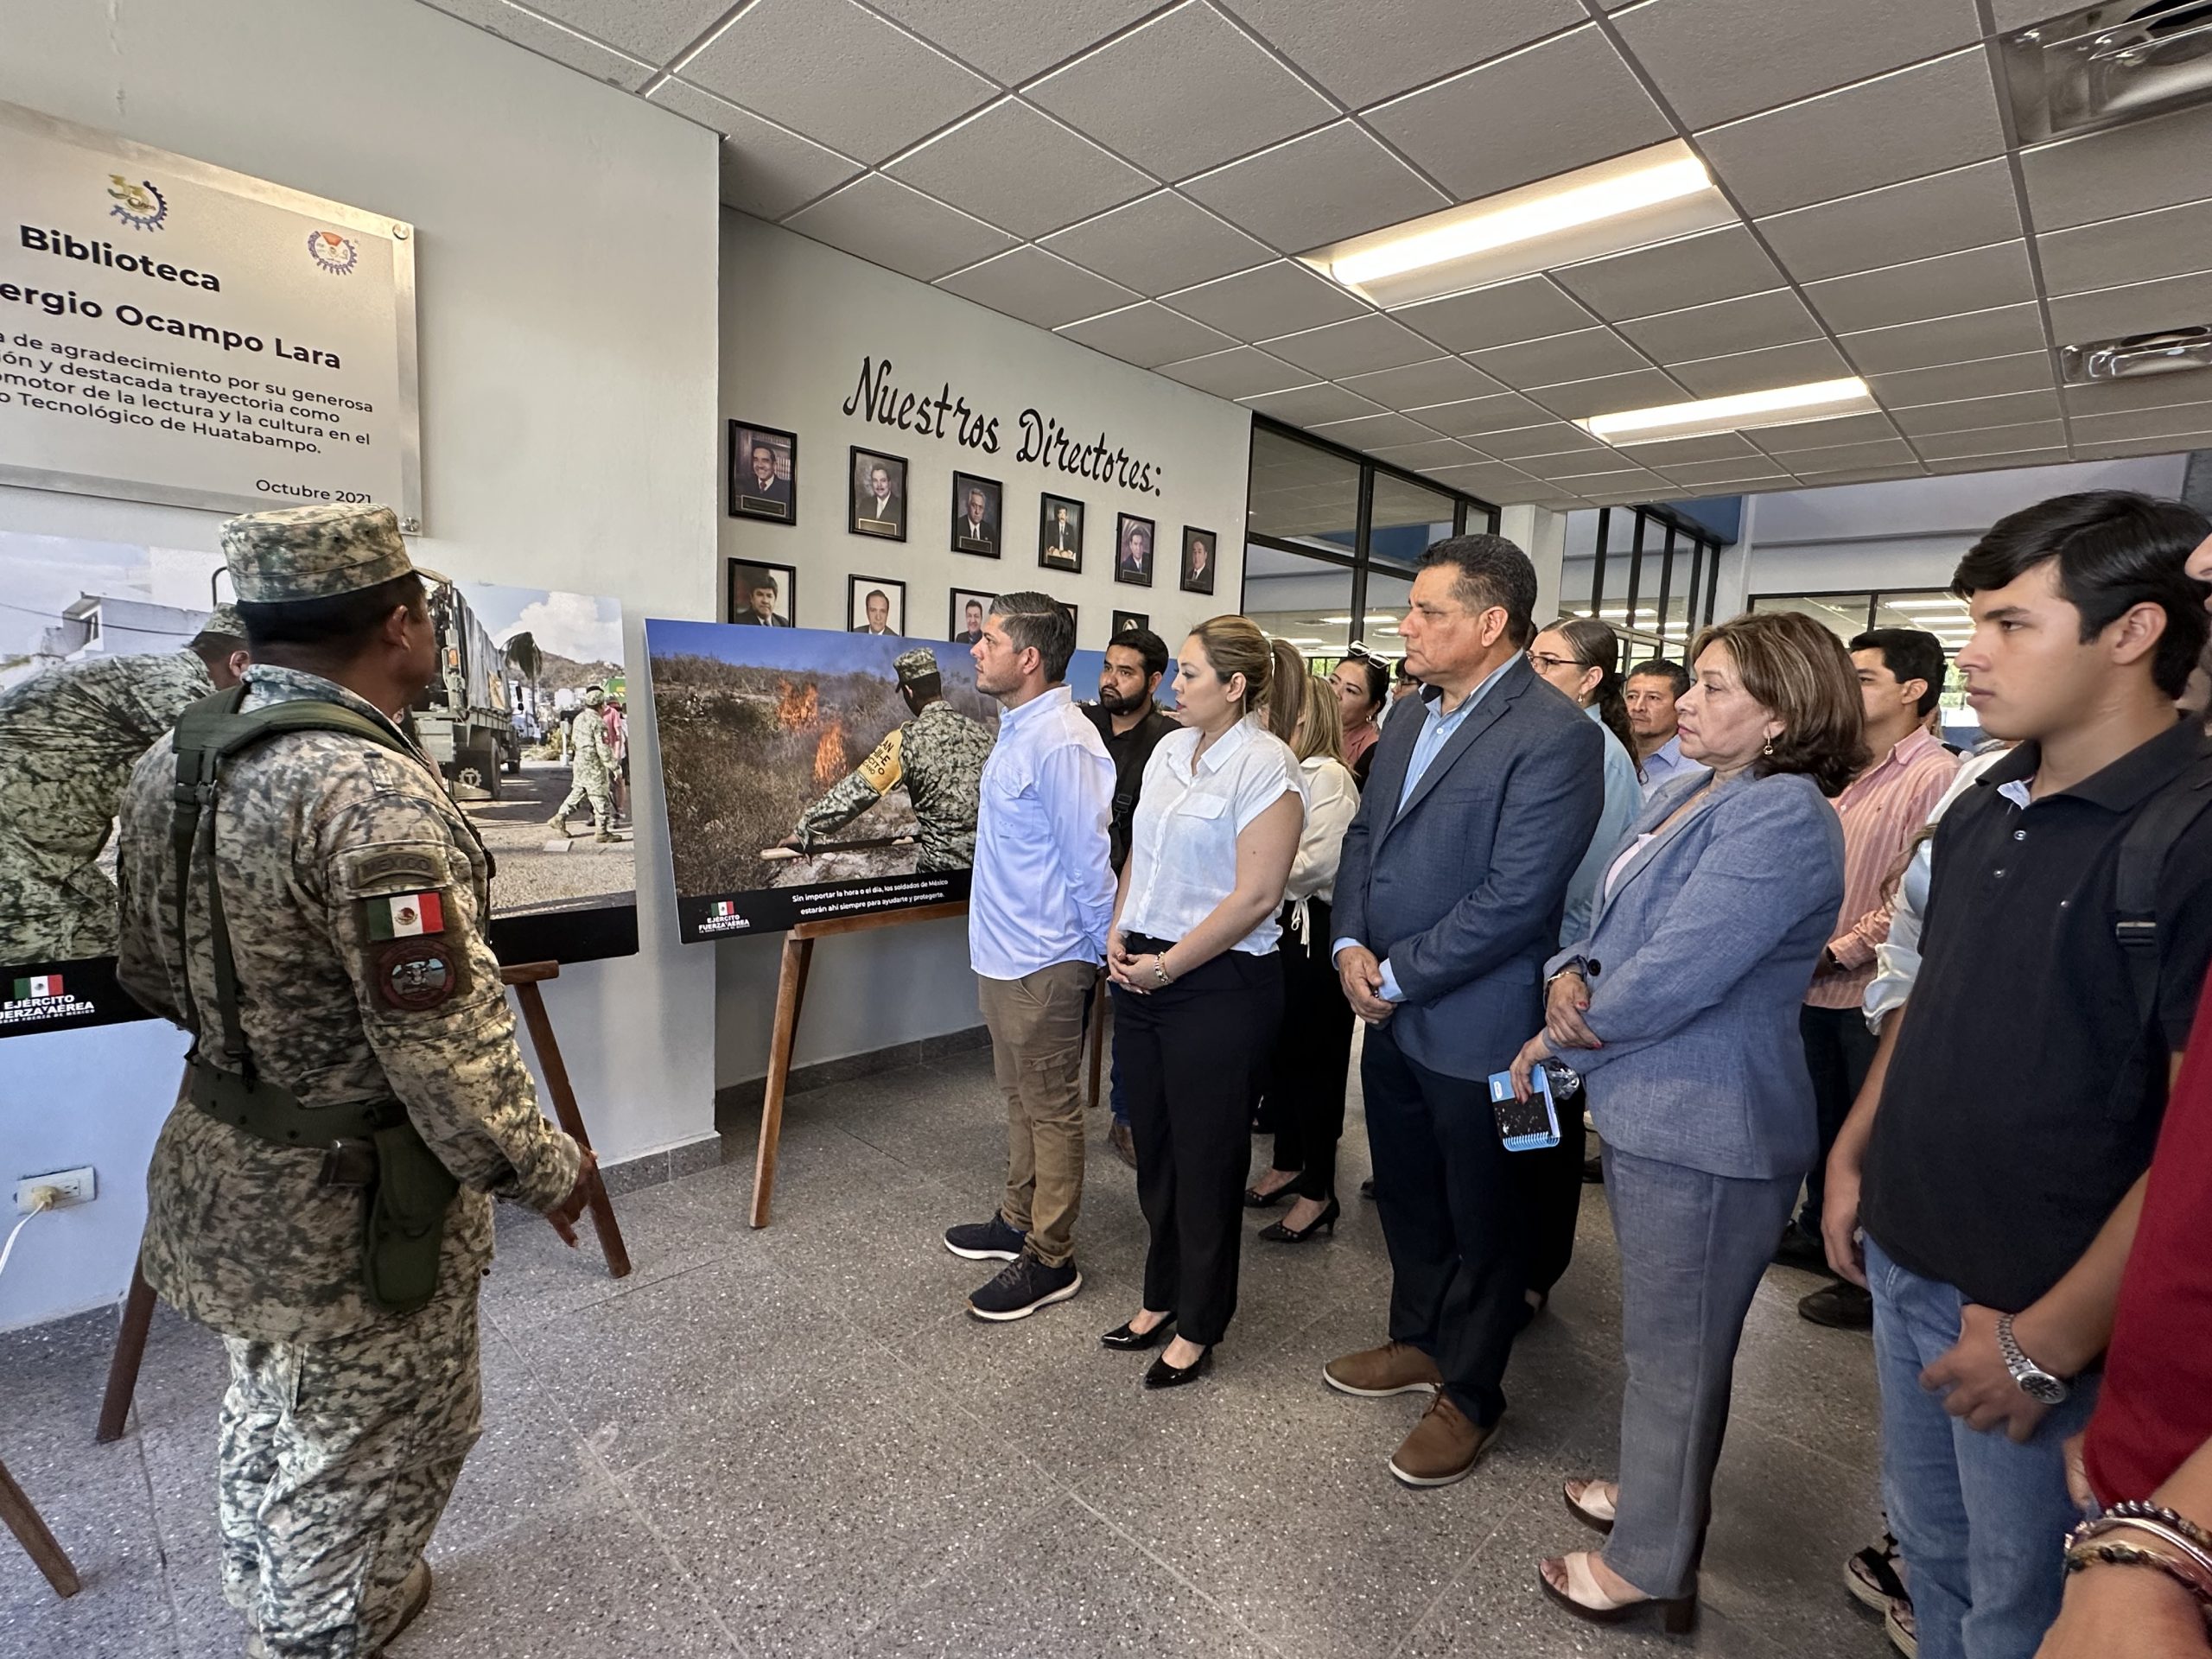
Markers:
39,985
723,907
406,915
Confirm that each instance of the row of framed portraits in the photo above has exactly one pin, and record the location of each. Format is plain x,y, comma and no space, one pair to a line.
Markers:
764,486
767,596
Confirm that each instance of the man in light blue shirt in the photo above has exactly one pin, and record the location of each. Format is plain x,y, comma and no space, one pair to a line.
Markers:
1653,689
1038,911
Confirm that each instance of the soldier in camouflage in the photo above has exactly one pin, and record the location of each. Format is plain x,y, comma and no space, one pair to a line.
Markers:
591,767
354,894
938,756
68,738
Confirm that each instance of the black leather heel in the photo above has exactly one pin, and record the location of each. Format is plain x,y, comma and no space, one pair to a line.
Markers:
1126,1341
1281,1233
1161,1375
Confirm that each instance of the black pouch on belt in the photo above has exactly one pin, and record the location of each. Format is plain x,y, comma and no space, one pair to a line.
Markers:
407,1221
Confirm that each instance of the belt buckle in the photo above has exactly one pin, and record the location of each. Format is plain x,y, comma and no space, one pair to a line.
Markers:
348,1162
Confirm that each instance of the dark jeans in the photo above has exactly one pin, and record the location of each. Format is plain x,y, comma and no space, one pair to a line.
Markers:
1456,1216
1554,1186
1188,1052
1313,1060
1839,1052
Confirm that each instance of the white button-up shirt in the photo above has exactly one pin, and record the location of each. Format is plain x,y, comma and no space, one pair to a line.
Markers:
1183,844
1042,893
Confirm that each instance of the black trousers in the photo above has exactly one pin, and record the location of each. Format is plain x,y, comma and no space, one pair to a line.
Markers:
1554,1188
1313,1060
1456,1216
1839,1052
1187,1055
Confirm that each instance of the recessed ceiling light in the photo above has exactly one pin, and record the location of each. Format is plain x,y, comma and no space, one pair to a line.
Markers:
1925,604
1776,406
1631,201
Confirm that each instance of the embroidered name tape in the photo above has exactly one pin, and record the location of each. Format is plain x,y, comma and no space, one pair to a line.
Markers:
406,916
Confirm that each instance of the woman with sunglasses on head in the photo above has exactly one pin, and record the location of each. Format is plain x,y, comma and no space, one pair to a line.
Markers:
1361,684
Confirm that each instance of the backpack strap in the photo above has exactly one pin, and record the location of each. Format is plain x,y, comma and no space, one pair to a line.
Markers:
2143,853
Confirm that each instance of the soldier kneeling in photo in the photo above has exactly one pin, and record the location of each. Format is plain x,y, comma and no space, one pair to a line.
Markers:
302,896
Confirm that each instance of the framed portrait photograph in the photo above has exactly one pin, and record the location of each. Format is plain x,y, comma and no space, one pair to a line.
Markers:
1125,620
875,604
762,596
965,625
1200,547
763,473
1059,533
1133,539
975,520
879,495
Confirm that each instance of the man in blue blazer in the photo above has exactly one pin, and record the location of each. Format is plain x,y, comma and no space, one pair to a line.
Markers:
1448,897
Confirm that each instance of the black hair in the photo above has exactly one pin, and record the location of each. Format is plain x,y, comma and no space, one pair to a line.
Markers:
1041,621
336,628
1146,645
1375,672
1676,675
1909,654
1491,571
2115,549
1596,645
1403,676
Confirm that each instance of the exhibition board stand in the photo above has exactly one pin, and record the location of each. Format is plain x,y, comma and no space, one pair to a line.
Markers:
525,979
31,1532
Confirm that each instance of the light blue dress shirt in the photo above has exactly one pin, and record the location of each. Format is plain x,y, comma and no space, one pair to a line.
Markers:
1042,892
1623,800
1662,763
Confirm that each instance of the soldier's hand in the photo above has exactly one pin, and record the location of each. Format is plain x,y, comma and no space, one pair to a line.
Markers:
563,1216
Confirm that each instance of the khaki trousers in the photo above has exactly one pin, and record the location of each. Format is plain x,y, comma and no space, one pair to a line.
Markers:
1036,1026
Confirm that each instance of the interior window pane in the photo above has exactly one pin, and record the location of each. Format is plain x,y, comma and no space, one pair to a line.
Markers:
1844,614
1407,518
1388,598
1305,601
1303,494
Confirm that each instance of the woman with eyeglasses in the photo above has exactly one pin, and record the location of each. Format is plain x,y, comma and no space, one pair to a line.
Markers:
1361,684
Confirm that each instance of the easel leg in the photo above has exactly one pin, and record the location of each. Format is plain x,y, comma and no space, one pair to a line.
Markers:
1098,1017
30,1530
540,1026
130,1354
791,993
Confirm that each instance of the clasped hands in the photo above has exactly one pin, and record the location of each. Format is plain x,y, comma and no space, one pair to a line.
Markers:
1132,973
1565,1028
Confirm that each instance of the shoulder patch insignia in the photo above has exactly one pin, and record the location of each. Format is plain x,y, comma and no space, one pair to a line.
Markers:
416,975
405,915
417,864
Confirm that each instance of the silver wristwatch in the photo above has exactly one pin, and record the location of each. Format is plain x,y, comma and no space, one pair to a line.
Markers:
2035,1382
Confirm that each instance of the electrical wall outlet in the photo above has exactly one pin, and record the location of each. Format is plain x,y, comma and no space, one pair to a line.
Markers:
75,1186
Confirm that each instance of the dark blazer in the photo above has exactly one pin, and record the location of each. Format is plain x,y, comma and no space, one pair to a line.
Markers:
894,511
750,619
778,490
987,531
1461,891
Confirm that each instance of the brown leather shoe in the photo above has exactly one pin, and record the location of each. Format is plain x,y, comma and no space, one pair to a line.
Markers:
1124,1144
1394,1368
414,1597
1444,1445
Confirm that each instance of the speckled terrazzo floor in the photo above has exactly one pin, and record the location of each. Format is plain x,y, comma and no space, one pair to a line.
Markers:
795,1442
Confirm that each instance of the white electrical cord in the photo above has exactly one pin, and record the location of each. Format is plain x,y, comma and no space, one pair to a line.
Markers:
42,1199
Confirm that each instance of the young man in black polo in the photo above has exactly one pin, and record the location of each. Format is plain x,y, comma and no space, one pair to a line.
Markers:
2002,1136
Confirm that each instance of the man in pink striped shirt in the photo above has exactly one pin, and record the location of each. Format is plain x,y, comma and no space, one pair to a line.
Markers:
1900,679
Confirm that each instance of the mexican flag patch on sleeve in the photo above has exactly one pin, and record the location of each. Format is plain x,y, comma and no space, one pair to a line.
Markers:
405,915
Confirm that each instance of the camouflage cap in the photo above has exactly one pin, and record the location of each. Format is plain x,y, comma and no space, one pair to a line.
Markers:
226,620
290,554
920,664
594,697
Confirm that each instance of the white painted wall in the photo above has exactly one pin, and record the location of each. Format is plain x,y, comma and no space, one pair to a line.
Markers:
567,305
797,317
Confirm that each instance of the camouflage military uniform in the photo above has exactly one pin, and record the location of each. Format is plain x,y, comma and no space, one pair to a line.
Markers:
591,762
344,1426
67,740
938,756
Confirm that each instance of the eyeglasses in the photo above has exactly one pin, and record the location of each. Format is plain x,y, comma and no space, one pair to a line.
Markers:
1543,661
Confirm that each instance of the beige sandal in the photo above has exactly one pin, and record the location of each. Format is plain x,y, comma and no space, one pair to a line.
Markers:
1595,1503
1586,1600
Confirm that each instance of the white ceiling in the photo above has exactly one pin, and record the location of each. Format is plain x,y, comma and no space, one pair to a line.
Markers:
1136,177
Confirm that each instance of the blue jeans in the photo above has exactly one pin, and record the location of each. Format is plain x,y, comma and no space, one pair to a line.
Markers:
1981,1520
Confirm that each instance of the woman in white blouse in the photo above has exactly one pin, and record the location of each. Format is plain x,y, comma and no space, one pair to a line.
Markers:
1313,1052
1197,982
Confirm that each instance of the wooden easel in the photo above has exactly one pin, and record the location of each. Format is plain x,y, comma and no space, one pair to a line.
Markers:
30,1530
526,978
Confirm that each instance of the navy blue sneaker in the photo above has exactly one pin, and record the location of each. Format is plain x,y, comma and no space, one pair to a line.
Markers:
1023,1286
985,1241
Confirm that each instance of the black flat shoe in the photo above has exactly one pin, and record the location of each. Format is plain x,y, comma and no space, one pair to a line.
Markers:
1129,1342
1161,1375
1256,1199
1283,1233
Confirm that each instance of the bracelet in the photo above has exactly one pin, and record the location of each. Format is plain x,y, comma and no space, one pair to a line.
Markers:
2104,1523
2080,1560
1159,969
2141,1508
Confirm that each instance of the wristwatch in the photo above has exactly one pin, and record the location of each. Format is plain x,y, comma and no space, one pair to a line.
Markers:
2035,1382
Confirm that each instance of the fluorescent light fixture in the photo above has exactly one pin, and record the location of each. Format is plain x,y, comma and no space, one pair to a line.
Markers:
1925,604
1631,201
1776,406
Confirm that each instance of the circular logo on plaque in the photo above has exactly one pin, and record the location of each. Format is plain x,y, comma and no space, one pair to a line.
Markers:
140,206
334,253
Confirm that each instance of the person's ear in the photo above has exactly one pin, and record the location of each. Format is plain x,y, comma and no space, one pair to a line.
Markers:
1591,679
2136,634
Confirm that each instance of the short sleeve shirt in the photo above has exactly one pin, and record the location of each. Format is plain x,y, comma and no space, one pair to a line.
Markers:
1183,843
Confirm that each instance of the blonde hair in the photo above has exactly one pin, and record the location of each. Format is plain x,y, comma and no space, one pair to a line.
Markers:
1285,670
1320,728
1234,645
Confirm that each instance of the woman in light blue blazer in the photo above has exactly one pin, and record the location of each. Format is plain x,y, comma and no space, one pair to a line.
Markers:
1679,1012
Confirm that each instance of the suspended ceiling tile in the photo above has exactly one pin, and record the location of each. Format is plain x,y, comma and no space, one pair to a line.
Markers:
1367,431
1319,187
1614,483
1186,92
1864,475
1801,435
655,30
1947,340
2170,242
1015,42
1754,469
1578,356
1936,115
841,75
2147,391
1241,371
1990,378
2140,425
1355,347
1030,284
765,171
1281,298
1556,107
1381,46
1476,415
1492,480
1698,269
1966,208
1527,444
1608,394
1992,440
1880,452
2125,169
1712,445
1528,308
552,40
1715,60
1021,169
1439,380
882,221
1778,318
1942,287
2166,444
1147,335
1969,413
1157,245
1416,457
2139,308
1307,405
1802,364
2010,458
